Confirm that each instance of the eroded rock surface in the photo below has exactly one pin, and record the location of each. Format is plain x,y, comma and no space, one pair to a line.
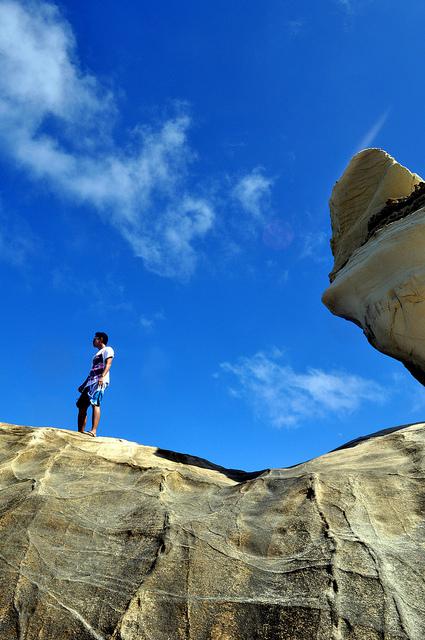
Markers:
106,539
370,180
378,279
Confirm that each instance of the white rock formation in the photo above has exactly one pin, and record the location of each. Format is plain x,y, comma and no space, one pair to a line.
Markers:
378,280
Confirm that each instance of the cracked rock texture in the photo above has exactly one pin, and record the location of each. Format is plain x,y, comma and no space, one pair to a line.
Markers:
109,539
378,242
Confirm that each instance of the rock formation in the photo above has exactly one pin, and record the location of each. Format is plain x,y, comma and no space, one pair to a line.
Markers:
105,539
378,242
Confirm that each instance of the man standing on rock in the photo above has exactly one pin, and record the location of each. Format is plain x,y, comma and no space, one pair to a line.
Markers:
95,384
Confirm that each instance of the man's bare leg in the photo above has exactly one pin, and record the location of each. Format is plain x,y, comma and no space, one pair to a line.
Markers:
82,419
94,419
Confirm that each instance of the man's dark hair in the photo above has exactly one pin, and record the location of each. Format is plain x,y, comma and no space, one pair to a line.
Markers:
103,336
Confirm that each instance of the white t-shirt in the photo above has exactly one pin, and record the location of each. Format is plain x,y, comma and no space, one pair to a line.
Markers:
98,367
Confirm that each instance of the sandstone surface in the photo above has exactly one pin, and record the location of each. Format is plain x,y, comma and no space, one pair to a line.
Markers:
378,279
370,180
106,539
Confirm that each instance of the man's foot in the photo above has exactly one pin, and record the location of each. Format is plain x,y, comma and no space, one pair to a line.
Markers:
90,433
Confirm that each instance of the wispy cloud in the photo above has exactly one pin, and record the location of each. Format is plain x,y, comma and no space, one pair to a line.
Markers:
252,192
57,122
373,132
283,397
148,323
314,245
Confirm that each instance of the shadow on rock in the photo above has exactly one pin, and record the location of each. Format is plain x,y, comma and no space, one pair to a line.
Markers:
233,474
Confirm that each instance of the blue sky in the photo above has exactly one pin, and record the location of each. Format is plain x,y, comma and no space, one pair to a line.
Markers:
165,171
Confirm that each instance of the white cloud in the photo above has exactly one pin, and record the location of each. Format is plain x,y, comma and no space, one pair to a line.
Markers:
253,192
56,122
177,227
39,75
373,132
283,397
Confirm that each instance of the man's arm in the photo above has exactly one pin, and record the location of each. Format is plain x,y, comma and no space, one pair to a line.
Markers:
108,364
